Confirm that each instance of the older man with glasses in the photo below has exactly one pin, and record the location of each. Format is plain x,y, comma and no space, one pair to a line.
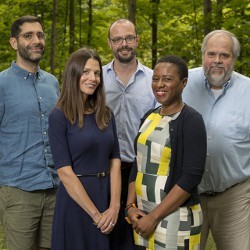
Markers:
129,94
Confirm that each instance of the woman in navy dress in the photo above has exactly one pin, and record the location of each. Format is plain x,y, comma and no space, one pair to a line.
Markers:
85,151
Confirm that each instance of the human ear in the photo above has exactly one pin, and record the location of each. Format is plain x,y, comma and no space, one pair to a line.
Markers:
13,43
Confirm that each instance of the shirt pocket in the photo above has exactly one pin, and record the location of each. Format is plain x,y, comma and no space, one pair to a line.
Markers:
236,126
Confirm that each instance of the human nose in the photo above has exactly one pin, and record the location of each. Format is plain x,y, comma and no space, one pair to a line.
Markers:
92,76
160,83
217,58
36,39
124,41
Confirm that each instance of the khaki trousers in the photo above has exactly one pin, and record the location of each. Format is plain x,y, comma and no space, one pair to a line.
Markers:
227,215
27,217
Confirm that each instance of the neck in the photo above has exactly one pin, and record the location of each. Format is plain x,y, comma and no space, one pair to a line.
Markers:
125,67
29,66
172,109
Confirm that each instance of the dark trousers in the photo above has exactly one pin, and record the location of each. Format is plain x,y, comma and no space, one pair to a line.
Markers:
122,234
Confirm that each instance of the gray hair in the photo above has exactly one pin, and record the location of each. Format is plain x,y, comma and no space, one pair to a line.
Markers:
236,43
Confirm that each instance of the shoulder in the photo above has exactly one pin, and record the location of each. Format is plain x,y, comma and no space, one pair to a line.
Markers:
190,114
107,67
237,77
56,114
196,74
47,75
144,68
189,111
4,76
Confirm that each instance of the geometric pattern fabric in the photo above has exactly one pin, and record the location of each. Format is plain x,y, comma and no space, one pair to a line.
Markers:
181,229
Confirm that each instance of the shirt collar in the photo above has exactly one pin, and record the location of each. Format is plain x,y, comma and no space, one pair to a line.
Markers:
224,86
24,73
139,66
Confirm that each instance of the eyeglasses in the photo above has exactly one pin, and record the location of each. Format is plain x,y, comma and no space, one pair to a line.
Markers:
30,36
119,40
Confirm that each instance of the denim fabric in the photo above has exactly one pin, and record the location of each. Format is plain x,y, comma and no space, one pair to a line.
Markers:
25,102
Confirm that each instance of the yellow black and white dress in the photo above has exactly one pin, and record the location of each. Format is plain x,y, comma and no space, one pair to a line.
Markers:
182,227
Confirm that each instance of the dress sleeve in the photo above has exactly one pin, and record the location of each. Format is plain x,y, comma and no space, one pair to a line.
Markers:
194,152
58,139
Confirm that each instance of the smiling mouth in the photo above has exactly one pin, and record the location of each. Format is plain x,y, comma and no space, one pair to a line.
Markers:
160,92
90,85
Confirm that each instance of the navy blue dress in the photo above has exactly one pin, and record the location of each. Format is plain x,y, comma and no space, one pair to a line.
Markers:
87,150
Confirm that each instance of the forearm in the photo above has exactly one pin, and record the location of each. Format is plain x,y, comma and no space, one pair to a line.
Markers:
115,183
174,199
77,192
131,193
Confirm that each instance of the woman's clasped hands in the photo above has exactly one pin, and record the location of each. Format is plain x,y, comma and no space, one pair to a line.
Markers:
143,224
107,220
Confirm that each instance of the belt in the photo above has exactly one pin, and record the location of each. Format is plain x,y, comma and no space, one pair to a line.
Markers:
126,165
212,193
99,175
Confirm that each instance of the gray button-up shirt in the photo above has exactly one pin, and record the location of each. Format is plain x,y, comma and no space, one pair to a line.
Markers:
227,120
129,103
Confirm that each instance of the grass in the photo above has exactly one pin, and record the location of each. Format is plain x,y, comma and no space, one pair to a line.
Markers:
2,242
210,243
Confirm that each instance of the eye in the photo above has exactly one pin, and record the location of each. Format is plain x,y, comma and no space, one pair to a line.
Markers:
224,55
130,39
211,54
155,79
85,72
28,36
41,36
166,79
98,74
117,39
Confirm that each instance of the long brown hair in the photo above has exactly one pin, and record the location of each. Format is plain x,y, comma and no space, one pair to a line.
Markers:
72,102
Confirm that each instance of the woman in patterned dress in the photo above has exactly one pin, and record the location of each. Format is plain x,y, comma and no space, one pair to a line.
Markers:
171,151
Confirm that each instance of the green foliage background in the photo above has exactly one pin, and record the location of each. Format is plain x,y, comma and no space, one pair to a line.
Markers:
180,28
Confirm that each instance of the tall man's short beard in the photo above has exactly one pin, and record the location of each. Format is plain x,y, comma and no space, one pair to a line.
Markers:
124,59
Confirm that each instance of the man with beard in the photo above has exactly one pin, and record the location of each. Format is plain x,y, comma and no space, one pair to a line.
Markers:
28,179
222,96
129,94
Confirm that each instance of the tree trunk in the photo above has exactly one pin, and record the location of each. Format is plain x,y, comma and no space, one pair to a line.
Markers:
53,38
90,22
71,26
155,6
132,11
80,22
219,19
207,10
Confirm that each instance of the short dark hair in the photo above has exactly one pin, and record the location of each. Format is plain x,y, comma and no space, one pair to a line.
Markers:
16,25
178,61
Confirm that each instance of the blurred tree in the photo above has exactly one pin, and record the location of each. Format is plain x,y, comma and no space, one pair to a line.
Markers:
171,27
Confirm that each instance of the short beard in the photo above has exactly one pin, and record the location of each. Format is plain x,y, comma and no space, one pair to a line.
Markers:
125,60
218,81
24,53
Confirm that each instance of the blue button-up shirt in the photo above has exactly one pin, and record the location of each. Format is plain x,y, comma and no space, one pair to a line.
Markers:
227,120
129,103
25,102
